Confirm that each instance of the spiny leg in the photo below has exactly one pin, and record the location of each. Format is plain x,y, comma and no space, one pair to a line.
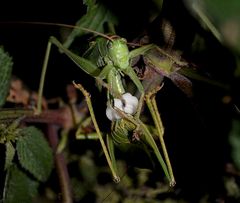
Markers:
81,133
86,65
130,72
140,126
152,105
110,145
147,137
89,103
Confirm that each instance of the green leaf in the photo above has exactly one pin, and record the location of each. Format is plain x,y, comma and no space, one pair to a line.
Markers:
5,74
97,15
88,169
234,140
10,152
158,4
34,153
19,188
221,18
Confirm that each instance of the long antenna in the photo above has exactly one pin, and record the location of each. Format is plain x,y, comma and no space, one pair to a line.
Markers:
58,25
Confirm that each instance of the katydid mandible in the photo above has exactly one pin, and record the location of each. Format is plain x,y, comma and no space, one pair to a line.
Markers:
112,65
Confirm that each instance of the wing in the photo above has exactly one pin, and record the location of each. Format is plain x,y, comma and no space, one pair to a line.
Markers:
97,51
182,82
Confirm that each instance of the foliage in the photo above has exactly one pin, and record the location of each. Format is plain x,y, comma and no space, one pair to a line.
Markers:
27,144
135,184
5,74
28,159
34,155
19,187
96,18
234,140
219,18
222,19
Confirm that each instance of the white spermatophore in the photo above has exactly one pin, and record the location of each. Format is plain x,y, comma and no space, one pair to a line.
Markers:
129,106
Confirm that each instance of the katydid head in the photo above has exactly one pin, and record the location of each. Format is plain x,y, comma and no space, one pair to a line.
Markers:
119,53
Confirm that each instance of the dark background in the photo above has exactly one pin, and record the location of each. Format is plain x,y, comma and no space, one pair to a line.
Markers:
196,129
27,43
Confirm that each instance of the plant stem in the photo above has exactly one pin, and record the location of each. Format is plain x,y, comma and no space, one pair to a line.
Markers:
61,166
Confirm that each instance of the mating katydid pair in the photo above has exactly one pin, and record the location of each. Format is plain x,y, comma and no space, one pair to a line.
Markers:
112,64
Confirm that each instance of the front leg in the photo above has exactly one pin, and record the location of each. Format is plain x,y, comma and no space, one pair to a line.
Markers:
130,72
141,129
86,65
89,103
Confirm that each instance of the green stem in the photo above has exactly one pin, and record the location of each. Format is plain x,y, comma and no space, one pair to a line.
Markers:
12,113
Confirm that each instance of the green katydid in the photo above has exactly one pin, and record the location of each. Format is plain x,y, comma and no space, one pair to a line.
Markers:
110,67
